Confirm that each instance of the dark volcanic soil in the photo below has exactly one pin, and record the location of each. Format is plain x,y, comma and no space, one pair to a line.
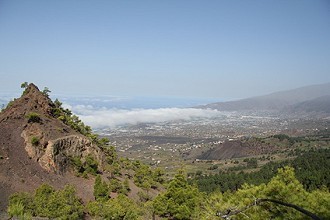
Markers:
226,150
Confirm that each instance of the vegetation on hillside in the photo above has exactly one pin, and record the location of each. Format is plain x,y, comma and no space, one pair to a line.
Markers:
33,117
89,166
181,201
312,170
68,118
46,202
120,207
284,187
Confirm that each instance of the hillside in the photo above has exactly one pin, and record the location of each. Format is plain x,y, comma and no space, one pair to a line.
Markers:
53,166
36,147
320,104
247,147
44,148
275,101
226,150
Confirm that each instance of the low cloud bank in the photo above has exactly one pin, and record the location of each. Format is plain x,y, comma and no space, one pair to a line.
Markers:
103,117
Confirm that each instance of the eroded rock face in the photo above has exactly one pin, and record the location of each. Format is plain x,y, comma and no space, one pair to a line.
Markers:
55,155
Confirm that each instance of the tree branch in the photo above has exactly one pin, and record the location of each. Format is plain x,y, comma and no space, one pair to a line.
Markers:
298,208
259,201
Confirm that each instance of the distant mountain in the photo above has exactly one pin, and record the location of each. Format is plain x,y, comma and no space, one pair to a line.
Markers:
320,104
303,96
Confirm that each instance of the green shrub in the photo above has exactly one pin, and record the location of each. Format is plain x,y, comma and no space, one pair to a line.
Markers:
56,112
90,166
20,205
120,207
16,209
48,203
115,185
77,164
35,141
126,187
101,190
144,196
33,117
64,204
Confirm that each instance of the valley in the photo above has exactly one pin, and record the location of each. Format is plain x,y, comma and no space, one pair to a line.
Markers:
175,144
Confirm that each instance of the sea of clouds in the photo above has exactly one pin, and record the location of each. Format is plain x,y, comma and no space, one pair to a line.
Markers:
112,117
103,112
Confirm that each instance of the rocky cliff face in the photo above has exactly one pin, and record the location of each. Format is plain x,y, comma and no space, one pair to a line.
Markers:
58,151
55,156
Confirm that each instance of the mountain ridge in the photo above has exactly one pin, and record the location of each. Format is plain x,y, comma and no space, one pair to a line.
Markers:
274,101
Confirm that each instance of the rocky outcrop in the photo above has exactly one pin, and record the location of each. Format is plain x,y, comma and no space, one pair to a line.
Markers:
58,152
55,156
35,151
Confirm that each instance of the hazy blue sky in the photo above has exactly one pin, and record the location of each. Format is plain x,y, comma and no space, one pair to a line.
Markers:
222,49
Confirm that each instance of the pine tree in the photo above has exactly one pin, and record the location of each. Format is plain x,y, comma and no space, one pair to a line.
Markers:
100,189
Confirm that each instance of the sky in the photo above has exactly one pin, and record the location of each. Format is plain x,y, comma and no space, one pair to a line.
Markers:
205,49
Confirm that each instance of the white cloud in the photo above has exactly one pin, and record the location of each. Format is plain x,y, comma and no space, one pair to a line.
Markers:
103,117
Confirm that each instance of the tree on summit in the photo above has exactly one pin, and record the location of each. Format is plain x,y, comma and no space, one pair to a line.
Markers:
24,85
46,91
